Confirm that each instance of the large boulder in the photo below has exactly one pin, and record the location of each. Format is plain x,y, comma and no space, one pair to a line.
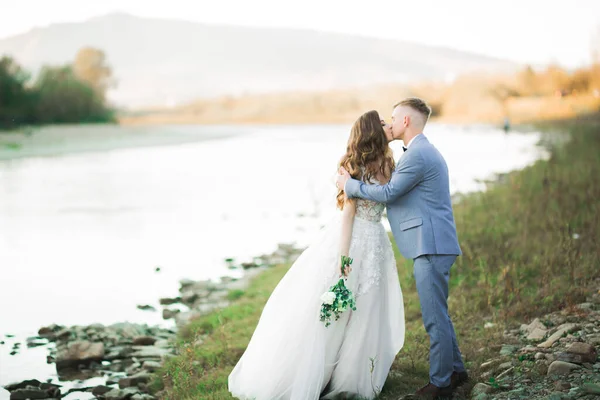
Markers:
81,352
561,368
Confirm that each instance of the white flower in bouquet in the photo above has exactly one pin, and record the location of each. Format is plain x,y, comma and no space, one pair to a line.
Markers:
339,295
328,298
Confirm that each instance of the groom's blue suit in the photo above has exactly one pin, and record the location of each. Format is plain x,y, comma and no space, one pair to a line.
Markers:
420,214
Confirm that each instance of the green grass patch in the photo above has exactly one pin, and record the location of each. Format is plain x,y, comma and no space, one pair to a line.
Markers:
235,294
530,246
12,146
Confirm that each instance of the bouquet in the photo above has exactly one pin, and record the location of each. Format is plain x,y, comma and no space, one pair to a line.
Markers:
339,298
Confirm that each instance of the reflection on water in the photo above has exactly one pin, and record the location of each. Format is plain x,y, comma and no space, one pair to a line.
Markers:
82,234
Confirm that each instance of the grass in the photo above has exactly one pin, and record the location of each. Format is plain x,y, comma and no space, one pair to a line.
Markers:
530,246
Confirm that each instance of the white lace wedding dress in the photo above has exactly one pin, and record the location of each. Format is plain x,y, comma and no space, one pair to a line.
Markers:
293,356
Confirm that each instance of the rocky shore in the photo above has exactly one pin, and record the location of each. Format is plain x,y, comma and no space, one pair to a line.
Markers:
124,355
552,357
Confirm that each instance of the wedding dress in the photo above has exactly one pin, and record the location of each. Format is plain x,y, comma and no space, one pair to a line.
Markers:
293,356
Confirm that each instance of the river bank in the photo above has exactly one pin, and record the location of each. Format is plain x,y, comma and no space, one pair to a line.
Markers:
529,247
116,362
55,140
137,222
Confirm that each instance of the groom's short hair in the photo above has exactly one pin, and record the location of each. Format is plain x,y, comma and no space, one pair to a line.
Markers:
418,105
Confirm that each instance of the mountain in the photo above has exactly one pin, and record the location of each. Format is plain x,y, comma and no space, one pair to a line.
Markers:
160,61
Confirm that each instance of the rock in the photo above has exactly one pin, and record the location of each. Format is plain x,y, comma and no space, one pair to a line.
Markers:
591,388
540,356
508,349
118,394
586,351
517,393
570,358
481,388
168,301
529,349
135,380
22,385
562,386
63,334
184,318
594,341
144,341
248,265
145,307
561,368
537,334
491,363
150,352
163,343
586,306
133,369
189,298
151,365
29,394
118,353
79,352
505,372
36,341
563,329
49,332
100,390
143,396
535,324
505,365
33,389
168,313
185,283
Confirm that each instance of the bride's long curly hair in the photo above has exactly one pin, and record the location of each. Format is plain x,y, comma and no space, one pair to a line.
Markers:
367,153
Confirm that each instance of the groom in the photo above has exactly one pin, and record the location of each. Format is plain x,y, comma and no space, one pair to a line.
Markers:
420,214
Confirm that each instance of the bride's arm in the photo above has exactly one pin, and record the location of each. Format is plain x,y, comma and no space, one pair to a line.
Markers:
347,222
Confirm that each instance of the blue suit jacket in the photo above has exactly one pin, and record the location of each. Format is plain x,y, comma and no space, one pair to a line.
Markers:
418,201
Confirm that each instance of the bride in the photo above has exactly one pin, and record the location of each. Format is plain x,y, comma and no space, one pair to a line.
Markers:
292,355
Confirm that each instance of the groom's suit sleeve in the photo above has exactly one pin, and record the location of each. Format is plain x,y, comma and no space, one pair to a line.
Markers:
407,175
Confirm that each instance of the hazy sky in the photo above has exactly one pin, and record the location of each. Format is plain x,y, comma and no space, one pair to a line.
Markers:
527,31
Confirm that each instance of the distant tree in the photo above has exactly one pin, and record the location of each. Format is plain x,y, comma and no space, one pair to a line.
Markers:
555,80
16,100
527,81
502,93
91,67
63,98
581,80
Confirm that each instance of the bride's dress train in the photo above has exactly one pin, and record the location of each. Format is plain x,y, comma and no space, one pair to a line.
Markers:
292,355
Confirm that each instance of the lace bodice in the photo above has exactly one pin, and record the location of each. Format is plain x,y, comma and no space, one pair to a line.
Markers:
369,210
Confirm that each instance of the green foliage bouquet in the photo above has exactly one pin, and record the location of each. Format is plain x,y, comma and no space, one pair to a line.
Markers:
339,298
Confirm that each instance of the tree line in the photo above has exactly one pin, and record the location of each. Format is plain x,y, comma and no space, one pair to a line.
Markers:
71,93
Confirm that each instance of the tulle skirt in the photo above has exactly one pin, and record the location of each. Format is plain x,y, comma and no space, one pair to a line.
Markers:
292,355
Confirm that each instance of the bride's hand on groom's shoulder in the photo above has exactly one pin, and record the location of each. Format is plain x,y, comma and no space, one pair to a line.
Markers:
342,178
